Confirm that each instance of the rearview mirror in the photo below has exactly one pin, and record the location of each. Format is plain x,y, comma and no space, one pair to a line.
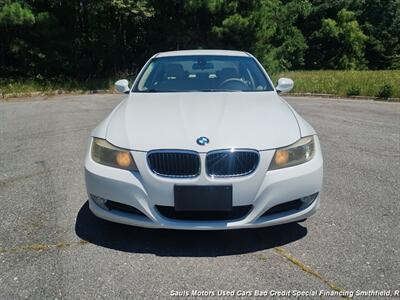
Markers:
203,66
284,85
122,86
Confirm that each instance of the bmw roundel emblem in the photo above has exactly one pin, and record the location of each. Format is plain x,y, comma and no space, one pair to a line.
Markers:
202,141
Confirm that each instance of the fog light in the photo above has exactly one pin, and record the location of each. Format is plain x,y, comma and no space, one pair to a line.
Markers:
99,201
308,200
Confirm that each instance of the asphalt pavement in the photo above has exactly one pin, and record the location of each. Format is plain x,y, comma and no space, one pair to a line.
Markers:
51,246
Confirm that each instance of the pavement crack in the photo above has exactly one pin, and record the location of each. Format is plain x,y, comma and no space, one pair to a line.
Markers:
22,177
41,246
286,255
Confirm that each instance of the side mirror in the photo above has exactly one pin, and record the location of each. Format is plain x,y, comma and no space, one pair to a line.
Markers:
122,86
284,85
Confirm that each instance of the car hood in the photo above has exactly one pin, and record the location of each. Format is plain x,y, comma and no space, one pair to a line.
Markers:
256,120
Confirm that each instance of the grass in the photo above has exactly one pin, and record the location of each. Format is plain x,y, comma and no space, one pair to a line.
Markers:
19,87
344,83
384,84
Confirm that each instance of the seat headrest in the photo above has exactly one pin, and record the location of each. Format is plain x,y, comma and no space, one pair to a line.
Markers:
175,70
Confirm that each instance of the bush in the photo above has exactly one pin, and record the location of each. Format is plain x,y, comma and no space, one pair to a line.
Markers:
353,91
386,91
342,82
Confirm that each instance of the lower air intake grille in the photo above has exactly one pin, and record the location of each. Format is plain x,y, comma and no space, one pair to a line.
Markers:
231,163
123,207
237,212
174,163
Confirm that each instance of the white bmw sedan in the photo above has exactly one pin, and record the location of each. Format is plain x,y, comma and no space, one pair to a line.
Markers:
203,141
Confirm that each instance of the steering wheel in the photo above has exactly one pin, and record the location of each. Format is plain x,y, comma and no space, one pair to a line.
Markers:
229,80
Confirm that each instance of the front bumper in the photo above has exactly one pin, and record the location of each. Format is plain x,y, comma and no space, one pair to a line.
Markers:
261,189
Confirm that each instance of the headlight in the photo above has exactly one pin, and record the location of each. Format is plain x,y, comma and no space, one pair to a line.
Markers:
106,154
295,154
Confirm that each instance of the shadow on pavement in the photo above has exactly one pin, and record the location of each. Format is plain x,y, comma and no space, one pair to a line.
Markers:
164,242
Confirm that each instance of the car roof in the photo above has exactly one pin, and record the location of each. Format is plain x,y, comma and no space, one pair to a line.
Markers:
202,52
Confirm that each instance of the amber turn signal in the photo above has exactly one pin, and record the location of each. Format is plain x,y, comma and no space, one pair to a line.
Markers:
123,159
281,157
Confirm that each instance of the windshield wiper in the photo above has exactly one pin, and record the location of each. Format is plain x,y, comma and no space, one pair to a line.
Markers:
159,91
188,91
219,90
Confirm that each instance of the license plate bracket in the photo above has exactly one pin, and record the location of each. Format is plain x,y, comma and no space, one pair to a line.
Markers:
203,197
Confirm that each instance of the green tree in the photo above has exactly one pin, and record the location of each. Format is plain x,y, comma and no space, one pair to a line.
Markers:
343,41
266,28
380,20
71,38
98,38
14,14
15,20
278,42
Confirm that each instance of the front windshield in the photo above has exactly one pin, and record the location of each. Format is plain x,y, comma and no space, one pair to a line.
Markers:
204,73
